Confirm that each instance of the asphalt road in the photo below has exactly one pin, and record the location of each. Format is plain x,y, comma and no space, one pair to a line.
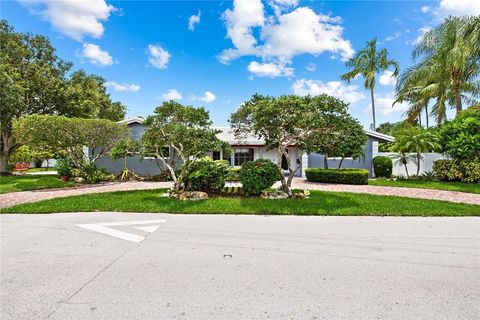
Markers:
238,267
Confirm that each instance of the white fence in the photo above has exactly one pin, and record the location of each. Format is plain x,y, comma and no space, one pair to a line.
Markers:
426,164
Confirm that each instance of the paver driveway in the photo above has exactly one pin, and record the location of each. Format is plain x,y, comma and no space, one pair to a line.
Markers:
240,267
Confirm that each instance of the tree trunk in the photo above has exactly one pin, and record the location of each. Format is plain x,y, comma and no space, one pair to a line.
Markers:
458,100
285,183
373,110
418,164
406,169
426,115
340,164
4,156
325,161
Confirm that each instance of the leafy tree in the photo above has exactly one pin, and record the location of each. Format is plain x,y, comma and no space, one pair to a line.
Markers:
460,138
447,71
289,121
350,139
124,149
391,129
186,131
84,140
416,140
368,63
86,97
32,78
35,81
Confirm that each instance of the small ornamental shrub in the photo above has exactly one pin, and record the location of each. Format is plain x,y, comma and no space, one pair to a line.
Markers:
91,174
64,167
382,166
343,176
453,170
233,174
207,175
258,175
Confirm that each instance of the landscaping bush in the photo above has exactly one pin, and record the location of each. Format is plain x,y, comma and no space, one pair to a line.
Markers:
233,174
382,166
455,170
343,176
91,174
64,167
258,175
207,175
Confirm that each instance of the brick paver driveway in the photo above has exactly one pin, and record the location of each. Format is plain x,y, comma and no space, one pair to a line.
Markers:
14,198
11,199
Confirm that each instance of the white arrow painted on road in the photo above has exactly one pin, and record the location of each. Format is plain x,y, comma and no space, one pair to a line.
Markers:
105,228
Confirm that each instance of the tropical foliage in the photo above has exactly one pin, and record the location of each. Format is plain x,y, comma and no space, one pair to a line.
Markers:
446,72
368,63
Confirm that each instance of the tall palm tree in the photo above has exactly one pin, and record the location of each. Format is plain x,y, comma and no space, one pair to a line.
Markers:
369,62
448,68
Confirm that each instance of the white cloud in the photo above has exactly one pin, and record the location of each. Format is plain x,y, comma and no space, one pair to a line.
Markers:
348,93
458,8
277,39
384,104
95,55
207,97
159,57
75,19
122,86
270,69
394,36
425,9
193,20
387,78
172,94
311,67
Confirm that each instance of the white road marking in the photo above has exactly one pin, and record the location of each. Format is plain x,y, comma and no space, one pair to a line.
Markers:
104,228
148,228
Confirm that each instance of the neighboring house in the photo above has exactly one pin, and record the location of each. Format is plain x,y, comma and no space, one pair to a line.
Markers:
244,150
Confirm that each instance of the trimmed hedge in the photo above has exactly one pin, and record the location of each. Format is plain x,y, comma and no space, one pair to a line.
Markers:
343,176
382,166
454,170
233,174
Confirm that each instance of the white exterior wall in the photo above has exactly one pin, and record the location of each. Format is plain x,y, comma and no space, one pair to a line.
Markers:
426,164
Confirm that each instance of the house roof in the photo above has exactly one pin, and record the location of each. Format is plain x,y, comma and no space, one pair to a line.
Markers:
133,120
227,135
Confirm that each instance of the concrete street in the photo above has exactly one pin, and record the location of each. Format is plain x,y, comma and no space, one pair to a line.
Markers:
238,267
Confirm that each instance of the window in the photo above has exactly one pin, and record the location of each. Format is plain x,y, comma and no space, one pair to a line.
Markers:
216,155
243,155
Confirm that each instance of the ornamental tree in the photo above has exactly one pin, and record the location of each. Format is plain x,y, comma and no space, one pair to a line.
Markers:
288,121
84,140
179,134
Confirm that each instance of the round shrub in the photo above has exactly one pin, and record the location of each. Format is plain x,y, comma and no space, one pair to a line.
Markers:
207,175
258,175
64,167
382,166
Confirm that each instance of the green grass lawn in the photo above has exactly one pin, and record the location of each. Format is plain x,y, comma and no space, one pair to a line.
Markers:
320,203
440,185
31,182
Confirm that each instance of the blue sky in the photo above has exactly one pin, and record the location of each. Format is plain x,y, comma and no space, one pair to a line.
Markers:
148,51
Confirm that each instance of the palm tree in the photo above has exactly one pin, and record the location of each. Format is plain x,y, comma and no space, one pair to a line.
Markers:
417,140
446,74
403,157
369,62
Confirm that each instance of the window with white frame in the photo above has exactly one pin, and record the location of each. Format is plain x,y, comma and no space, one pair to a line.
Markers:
243,155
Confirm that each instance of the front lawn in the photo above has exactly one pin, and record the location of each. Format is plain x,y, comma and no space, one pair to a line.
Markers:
31,182
320,203
439,185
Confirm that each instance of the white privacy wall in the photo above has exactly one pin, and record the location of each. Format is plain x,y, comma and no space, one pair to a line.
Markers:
426,164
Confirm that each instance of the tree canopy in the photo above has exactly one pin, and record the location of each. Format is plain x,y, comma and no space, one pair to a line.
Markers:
36,81
185,130
71,135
